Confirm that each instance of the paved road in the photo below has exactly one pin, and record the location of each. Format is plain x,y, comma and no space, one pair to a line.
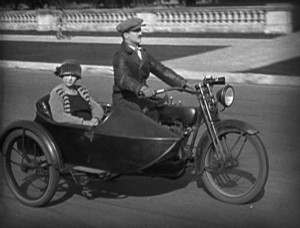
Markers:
146,202
156,202
90,53
256,60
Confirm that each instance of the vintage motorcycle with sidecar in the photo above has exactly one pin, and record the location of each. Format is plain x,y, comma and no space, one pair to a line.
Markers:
229,156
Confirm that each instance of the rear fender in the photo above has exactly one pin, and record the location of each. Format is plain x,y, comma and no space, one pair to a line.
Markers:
223,124
54,155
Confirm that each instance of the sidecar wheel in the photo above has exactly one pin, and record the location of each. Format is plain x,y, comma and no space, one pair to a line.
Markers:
242,177
27,169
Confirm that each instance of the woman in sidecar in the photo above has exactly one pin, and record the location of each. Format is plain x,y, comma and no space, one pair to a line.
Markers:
70,102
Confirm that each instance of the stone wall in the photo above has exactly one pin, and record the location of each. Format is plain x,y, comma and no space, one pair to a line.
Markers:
275,18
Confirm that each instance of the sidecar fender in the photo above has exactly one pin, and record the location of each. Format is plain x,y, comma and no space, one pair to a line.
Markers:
223,124
53,154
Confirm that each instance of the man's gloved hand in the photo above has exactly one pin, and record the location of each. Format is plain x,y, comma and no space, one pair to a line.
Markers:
147,92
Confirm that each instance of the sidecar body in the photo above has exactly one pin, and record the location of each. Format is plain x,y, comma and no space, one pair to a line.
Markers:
34,154
125,142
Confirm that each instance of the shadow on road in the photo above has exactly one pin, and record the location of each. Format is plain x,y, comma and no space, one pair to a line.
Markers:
123,187
287,67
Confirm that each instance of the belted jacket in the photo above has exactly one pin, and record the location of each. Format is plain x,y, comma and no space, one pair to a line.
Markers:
131,73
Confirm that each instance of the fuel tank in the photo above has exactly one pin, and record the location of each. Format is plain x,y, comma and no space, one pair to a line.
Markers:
170,114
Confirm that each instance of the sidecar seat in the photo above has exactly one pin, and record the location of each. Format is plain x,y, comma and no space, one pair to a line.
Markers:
43,107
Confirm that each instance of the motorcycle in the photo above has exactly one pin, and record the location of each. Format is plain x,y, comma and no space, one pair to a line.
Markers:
229,157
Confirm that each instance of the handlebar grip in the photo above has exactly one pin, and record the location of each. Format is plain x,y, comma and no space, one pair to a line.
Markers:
156,92
159,91
220,81
215,81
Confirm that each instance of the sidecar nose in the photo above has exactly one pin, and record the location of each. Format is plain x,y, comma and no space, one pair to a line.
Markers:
129,141
124,122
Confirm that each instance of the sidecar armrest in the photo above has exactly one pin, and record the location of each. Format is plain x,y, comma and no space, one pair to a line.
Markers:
43,107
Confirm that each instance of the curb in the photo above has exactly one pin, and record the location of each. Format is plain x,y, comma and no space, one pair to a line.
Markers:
183,41
238,78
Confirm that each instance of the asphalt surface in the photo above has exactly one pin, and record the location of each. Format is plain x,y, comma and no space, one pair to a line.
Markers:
242,58
253,63
157,202
88,53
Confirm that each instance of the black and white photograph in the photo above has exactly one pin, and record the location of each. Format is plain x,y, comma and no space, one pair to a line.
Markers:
149,113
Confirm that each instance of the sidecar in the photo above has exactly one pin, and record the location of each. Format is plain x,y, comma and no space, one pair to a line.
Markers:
125,143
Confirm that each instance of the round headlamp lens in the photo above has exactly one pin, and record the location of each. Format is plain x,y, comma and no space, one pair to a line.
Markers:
229,96
226,96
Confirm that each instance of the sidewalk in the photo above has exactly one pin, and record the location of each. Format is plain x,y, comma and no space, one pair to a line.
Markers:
237,61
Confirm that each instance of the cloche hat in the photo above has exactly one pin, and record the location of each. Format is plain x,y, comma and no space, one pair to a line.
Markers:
69,66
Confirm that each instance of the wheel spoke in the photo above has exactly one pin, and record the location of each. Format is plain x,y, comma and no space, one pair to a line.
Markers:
229,151
225,181
34,150
31,179
242,147
225,145
235,144
15,163
18,152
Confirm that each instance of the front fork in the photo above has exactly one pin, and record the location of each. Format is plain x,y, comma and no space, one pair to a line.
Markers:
221,155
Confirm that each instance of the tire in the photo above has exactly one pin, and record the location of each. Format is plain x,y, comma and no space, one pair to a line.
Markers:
246,171
27,168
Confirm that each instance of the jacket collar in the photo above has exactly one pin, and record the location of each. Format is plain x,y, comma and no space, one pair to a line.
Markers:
126,47
129,49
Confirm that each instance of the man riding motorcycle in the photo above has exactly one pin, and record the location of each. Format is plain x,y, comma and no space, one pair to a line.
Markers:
132,66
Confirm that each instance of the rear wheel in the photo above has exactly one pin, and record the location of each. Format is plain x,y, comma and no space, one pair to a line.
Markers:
242,176
27,168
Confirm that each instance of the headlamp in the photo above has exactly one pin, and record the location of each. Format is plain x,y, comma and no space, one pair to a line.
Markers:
226,96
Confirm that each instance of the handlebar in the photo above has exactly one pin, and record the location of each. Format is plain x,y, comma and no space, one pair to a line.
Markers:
180,89
214,81
206,81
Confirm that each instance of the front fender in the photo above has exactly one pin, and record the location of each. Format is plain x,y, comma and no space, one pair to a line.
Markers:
223,124
238,124
54,155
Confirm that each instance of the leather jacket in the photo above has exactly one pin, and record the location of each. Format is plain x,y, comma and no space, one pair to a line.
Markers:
131,74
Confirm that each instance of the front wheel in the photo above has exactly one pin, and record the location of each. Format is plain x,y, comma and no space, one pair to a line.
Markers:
242,175
27,168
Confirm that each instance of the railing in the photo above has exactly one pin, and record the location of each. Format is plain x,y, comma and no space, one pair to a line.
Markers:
256,19
18,20
212,17
98,17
